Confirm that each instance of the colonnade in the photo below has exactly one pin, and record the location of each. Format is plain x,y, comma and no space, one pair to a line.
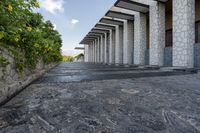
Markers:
127,41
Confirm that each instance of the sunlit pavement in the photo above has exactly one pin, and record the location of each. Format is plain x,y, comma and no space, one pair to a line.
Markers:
96,98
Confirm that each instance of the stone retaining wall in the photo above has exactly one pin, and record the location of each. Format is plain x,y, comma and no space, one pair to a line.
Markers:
12,82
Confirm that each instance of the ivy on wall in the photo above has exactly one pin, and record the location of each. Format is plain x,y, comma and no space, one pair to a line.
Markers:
26,35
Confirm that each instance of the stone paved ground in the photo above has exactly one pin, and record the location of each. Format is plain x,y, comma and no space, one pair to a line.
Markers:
74,98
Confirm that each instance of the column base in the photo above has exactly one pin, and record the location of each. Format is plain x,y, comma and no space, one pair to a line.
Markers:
153,67
117,64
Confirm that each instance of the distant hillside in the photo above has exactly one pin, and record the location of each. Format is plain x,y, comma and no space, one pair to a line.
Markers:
71,52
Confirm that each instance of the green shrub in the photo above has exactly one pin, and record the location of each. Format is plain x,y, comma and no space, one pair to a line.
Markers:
68,58
79,56
25,34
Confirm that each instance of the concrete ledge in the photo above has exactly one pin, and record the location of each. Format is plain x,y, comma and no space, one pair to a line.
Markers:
15,87
150,67
119,64
180,69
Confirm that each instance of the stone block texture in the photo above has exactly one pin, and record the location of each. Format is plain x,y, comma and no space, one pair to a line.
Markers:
119,45
102,48
112,48
86,53
89,53
197,55
140,36
128,42
147,57
12,82
168,57
157,33
183,33
93,54
95,51
107,48
98,50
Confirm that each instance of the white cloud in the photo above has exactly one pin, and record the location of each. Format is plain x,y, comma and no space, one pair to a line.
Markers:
52,6
74,21
55,26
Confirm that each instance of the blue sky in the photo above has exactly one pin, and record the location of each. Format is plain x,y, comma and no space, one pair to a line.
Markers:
74,18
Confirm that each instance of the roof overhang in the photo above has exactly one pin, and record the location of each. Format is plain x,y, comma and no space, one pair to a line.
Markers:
119,15
95,33
162,1
99,30
103,26
111,21
79,48
86,41
132,5
92,35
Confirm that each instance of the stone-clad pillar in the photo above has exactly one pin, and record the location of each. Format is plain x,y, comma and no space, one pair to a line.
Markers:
140,36
98,50
89,53
183,33
92,51
157,33
105,47
128,42
119,45
93,48
101,47
86,54
96,53
112,48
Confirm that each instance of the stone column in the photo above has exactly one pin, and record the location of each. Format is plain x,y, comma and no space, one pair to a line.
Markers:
89,55
92,52
157,33
101,51
86,53
140,36
128,42
93,48
97,45
105,48
112,48
102,48
119,45
183,33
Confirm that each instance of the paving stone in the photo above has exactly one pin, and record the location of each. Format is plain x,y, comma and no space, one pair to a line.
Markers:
163,103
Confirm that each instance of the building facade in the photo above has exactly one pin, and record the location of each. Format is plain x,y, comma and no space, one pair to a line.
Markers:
164,33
